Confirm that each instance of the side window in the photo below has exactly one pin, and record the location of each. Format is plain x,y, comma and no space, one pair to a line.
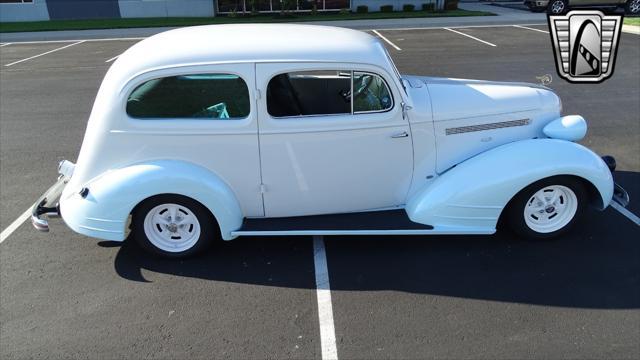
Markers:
370,93
198,96
309,93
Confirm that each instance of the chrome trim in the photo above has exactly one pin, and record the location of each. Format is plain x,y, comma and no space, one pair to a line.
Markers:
490,126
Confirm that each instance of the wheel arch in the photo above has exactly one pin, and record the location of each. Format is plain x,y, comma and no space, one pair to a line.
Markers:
113,196
473,194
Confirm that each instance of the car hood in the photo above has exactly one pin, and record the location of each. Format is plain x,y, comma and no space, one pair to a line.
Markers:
463,98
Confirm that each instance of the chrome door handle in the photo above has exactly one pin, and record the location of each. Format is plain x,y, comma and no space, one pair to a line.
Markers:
400,135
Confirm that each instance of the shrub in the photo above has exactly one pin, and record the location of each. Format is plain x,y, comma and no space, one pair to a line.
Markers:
362,9
408,7
451,4
344,11
386,8
428,7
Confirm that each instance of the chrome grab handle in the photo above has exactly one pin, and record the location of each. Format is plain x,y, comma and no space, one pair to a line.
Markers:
400,135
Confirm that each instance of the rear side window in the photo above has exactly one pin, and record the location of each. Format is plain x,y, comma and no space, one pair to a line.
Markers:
312,93
198,96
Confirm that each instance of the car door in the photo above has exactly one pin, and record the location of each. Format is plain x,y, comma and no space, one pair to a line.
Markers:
322,153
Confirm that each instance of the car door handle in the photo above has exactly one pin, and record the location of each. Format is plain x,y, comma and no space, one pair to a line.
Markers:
400,135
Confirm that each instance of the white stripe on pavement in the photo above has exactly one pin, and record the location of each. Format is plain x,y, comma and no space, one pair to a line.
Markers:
5,44
113,58
14,225
325,310
457,27
631,29
386,40
76,40
530,28
628,214
471,37
45,53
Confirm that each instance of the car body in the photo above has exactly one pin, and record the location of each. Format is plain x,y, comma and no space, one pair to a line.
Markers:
631,7
238,130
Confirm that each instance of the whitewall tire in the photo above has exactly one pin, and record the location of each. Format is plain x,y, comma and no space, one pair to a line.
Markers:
173,226
547,208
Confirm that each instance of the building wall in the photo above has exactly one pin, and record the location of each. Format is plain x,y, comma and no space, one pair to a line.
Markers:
374,5
166,8
34,11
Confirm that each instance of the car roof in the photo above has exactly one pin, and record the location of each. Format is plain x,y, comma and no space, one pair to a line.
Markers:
249,43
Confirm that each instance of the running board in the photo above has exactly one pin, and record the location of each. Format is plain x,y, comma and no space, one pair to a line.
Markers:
390,222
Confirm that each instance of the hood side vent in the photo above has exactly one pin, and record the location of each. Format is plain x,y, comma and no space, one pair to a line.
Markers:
482,127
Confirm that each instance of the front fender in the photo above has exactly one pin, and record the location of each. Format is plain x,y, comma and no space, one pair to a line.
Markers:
473,194
113,195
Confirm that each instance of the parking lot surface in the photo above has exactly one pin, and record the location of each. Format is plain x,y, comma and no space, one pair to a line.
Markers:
66,296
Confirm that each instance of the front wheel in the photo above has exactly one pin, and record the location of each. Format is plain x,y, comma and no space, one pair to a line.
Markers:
557,7
547,208
173,226
632,7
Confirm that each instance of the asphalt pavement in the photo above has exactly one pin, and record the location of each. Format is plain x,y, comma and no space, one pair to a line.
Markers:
63,295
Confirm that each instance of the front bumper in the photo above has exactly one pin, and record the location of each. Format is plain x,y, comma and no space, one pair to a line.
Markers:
620,195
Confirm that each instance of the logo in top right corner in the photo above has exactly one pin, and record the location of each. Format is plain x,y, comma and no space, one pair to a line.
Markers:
585,43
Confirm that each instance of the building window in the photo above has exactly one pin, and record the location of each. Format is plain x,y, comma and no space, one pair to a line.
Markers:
313,93
198,96
266,6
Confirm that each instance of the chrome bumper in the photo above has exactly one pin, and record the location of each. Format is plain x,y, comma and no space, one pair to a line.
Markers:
47,205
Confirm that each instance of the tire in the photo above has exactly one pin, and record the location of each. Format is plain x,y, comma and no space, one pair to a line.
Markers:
156,230
557,7
548,208
632,7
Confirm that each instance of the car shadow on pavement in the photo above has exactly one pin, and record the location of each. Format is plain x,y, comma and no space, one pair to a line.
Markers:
597,265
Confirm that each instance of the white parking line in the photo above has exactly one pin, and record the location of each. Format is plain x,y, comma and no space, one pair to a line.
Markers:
457,27
628,214
45,53
14,225
386,40
529,28
113,58
471,37
5,44
323,293
76,40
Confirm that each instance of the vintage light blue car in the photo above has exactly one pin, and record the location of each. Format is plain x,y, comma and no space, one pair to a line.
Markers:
222,131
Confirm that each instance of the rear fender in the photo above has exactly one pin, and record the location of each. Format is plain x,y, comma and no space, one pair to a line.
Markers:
473,194
113,195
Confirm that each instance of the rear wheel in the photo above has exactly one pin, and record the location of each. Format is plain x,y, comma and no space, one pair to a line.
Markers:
173,226
547,208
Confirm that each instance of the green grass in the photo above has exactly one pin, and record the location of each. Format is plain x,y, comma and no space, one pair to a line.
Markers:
263,18
632,21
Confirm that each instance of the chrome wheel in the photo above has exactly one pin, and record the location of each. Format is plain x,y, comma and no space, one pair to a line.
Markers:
550,209
557,7
172,228
634,7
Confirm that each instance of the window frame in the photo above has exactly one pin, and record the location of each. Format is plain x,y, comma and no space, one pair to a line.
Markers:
351,113
131,87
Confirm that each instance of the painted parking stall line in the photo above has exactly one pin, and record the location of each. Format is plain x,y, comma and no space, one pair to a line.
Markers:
14,225
626,213
45,53
112,59
5,44
323,293
530,28
471,37
386,40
